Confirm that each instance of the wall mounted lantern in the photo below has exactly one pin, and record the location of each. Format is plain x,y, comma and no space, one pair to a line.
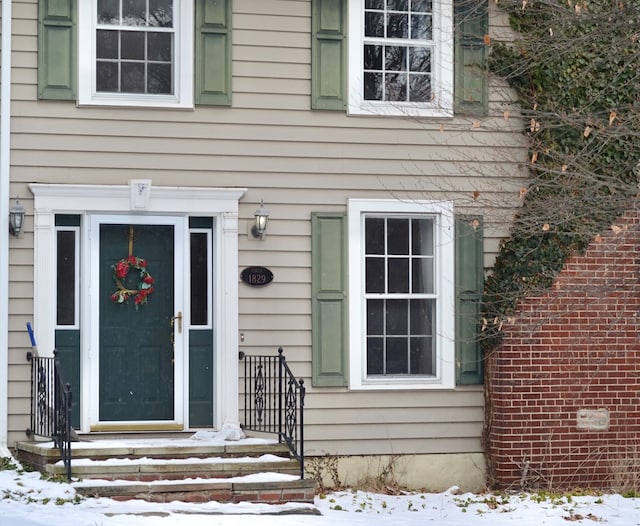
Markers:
262,218
16,218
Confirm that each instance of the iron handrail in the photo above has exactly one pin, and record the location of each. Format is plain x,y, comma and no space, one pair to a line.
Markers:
51,405
274,401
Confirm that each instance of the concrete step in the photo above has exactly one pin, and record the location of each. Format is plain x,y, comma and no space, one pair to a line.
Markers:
270,488
163,468
39,454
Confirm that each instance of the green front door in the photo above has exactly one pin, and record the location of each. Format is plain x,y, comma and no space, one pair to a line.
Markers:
136,352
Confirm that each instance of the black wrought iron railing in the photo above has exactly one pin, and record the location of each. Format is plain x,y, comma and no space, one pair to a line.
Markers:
274,401
51,405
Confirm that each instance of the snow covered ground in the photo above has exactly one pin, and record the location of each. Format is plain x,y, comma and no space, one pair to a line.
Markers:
27,500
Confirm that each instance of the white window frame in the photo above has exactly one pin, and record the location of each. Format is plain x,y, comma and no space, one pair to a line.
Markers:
442,69
182,69
208,232
76,273
441,212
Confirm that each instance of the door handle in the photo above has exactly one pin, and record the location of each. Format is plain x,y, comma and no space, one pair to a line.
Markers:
178,318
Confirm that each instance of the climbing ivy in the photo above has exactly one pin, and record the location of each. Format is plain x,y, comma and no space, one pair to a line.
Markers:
576,69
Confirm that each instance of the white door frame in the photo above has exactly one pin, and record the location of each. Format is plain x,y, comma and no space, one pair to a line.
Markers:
140,199
91,370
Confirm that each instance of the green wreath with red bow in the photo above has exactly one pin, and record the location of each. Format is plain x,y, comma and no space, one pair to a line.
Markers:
145,281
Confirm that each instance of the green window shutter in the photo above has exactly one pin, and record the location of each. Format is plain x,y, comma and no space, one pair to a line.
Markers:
328,299
213,52
57,49
469,276
471,27
328,54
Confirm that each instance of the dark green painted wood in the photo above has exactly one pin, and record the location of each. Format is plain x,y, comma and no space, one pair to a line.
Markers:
469,278
329,299
57,49
201,378
471,26
201,222
136,353
329,54
67,343
213,52
67,220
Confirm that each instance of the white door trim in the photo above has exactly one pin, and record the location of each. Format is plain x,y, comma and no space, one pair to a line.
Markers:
86,200
181,340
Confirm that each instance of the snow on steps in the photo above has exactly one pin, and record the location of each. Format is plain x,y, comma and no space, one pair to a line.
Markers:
251,470
270,488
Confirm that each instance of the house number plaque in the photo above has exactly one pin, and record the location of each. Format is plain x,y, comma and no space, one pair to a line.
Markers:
257,276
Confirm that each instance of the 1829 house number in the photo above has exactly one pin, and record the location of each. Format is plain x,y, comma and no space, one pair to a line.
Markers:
256,276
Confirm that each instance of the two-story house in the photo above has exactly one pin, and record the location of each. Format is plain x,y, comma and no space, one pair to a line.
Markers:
389,163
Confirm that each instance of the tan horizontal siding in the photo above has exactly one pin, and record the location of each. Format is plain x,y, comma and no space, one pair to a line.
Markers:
299,161
402,415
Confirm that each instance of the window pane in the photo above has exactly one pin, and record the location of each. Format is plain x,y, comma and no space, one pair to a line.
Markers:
421,6
397,25
397,317
374,4
421,27
199,278
373,86
422,276
107,76
420,88
373,24
373,57
132,45
395,87
374,275
421,356
374,235
159,80
66,277
395,58
399,275
397,5
375,317
132,77
375,356
107,44
420,59
422,237
134,12
161,13
108,12
421,317
159,46
398,236
397,356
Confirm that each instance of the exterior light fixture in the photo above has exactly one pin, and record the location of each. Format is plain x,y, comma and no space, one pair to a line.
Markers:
16,218
262,218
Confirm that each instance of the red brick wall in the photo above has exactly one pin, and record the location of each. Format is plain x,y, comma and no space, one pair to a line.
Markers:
574,348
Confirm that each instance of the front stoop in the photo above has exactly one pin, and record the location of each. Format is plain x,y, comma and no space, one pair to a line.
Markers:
180,470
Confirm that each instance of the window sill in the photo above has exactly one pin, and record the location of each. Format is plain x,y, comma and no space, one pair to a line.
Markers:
417,384
399,110
136,102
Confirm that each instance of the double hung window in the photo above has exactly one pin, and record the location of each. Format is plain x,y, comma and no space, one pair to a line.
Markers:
140,52
401,57
401,290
